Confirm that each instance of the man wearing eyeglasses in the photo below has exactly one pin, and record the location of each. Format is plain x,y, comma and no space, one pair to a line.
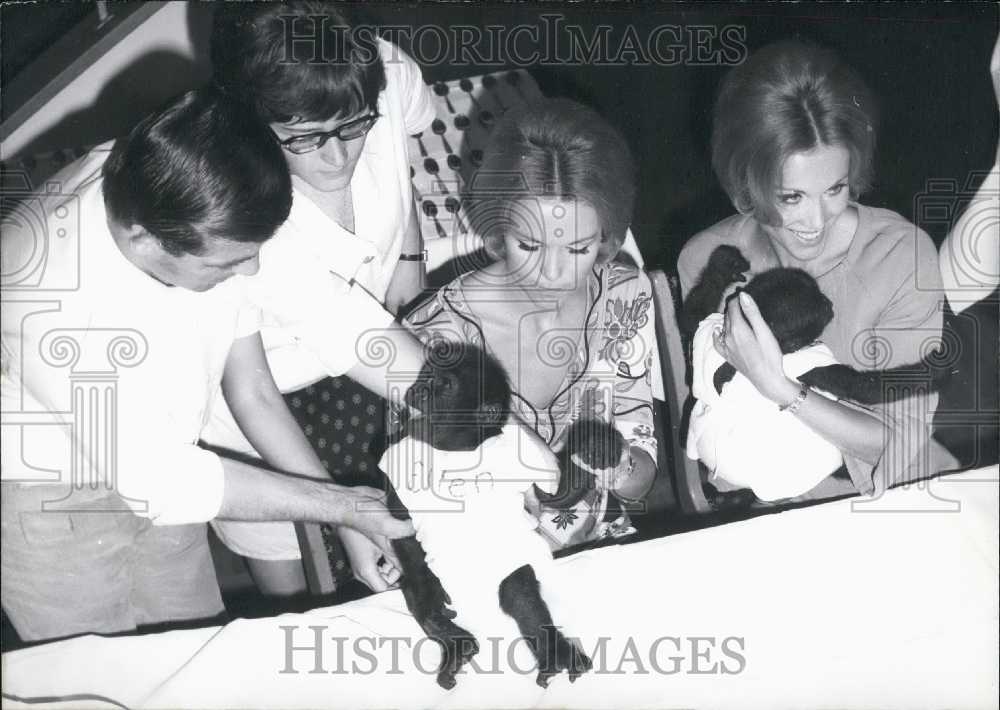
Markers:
341,103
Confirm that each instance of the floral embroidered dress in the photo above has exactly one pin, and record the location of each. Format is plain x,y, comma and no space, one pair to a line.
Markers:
608,377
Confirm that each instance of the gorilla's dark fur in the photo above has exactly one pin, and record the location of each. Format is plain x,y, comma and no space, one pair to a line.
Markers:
464,397
797,312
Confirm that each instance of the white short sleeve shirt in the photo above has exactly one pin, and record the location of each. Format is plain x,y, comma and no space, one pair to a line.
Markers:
108,373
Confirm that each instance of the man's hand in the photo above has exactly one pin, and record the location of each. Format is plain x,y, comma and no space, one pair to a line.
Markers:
373,564
363,509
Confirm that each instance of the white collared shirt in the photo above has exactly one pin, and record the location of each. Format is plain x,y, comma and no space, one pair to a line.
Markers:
108,373
380,188
320,287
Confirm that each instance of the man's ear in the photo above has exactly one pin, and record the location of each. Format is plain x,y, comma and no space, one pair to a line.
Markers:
140,240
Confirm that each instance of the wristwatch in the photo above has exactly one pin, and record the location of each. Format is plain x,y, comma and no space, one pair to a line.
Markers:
421,256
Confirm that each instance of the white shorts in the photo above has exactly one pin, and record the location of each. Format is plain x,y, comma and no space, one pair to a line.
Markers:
260,541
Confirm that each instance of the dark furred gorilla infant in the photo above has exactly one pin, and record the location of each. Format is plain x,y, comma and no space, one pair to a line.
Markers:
461,469
591,446
797,312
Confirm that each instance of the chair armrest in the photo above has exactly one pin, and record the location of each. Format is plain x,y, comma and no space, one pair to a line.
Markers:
686,473
315,561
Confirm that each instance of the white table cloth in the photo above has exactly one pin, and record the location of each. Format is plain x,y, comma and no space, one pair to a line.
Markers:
891,603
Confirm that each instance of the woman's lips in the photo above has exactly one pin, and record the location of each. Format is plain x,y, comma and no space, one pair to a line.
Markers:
807,236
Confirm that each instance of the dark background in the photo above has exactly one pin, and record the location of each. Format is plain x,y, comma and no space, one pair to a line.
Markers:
28,29
927,63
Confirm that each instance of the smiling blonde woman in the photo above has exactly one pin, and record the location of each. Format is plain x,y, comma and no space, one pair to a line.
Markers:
793,142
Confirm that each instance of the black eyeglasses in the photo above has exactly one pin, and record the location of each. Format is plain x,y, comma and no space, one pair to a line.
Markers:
345,132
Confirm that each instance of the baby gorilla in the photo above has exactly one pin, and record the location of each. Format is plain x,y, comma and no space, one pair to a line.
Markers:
461,469
797,312
591,446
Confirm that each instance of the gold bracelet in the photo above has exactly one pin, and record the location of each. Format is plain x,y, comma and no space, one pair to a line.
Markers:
793,406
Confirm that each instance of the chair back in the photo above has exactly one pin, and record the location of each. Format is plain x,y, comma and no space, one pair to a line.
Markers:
686,473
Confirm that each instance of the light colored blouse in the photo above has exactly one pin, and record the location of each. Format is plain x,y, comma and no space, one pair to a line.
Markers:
608,378
887,311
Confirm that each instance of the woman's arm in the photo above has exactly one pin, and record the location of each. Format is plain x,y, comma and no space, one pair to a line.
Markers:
748,343
633,393
389,360
408,278
261,412
263,416
417,106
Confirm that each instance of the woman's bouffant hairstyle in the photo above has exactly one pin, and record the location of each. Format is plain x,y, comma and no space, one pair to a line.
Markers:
789,97
201,168
296,61
556,148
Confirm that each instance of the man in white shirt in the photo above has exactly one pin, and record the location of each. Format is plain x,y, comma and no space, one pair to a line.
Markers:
104,487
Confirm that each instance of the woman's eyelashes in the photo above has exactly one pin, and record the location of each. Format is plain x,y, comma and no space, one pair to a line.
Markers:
793,198
532,247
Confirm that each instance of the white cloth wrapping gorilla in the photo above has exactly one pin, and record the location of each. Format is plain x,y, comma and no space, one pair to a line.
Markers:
743,438
468,511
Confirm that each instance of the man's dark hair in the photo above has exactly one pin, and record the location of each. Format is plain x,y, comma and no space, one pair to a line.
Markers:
296,61
201,168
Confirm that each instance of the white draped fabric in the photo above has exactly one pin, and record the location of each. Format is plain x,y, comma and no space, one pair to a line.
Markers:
888,603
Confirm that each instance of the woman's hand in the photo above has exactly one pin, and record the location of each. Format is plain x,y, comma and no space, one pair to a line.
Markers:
637,477
630,478
373,564
747,342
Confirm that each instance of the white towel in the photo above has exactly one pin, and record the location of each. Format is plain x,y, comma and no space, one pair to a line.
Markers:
742,437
